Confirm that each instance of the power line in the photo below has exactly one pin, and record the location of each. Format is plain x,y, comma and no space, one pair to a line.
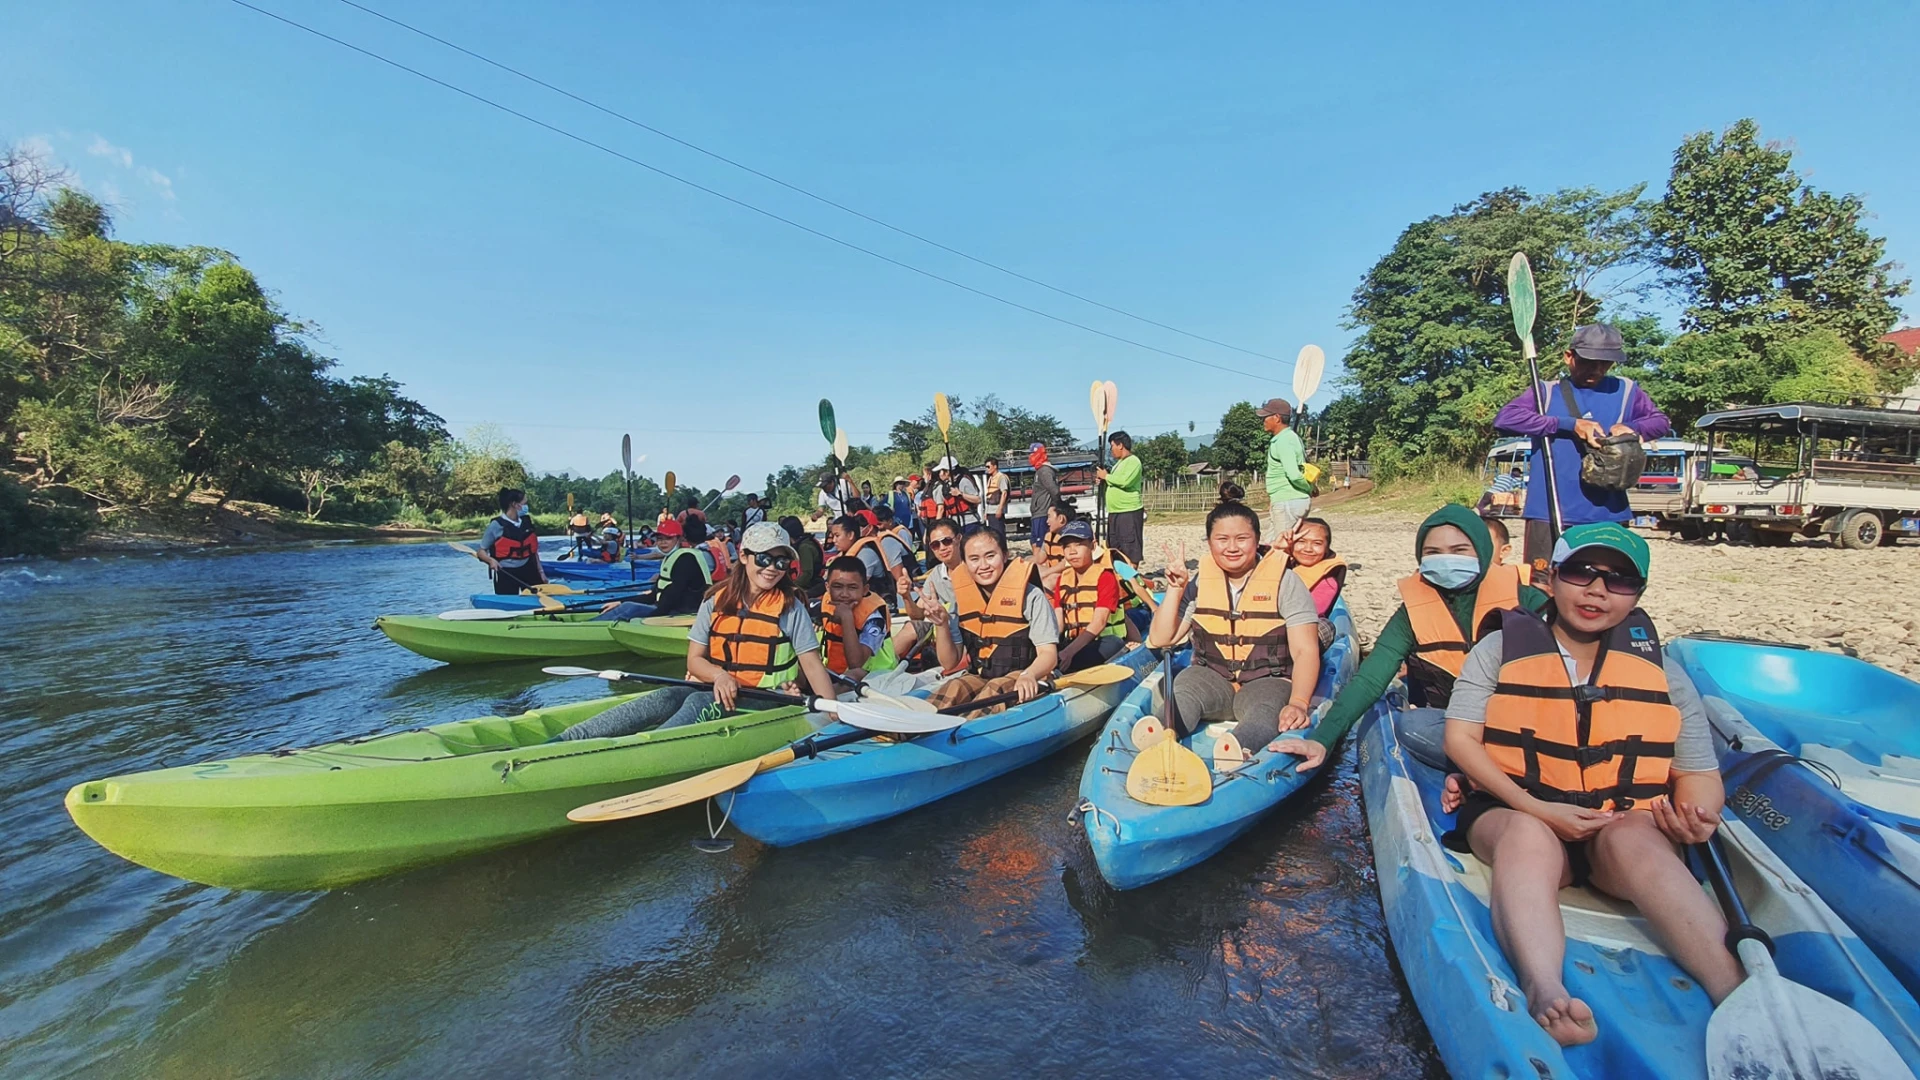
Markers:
797,189
743,204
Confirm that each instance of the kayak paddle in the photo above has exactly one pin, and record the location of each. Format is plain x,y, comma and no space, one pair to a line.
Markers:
1772,1026
943,419
1166,773
870,717
732,482
1520,297
626,473
1307,369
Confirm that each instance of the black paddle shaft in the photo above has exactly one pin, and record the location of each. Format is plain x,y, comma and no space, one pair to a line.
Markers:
989,702
1739,927
746,691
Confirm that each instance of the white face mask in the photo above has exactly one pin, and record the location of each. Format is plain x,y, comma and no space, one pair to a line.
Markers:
1449,571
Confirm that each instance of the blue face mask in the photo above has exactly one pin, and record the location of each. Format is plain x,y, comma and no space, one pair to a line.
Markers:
1449,571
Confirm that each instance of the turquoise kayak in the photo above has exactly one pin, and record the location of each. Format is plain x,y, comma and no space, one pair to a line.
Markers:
869,781
1821,756
1651,1015
1134,843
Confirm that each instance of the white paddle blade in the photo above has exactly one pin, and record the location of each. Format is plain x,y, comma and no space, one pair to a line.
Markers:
840,445
1307,369
905,704
1771,1026
1148,731
895,721
568,672
479,614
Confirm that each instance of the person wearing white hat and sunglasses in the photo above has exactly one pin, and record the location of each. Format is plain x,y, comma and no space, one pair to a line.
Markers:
753,630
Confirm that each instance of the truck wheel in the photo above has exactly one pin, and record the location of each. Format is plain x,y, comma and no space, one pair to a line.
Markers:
1739,532
1774,537
1860,530
1691,530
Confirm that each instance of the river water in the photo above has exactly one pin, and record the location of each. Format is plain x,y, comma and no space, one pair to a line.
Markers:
970,938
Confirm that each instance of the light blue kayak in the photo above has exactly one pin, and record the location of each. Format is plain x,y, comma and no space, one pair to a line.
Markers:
601,573
870,781
1821,756
1135,843
1651,1015
591,594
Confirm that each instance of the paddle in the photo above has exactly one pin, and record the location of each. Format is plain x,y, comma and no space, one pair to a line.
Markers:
732,482
708,784
502,614
1307,369
943,419
626,470
1166,773
1521,298
1772,1026
1097,400
872,718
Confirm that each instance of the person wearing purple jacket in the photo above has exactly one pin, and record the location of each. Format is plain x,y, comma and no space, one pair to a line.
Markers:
1600,405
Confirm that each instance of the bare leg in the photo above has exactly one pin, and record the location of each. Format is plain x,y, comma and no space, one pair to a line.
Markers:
1529,870
1633,860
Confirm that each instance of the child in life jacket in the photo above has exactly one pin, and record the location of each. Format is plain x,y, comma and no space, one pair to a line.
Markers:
1592,762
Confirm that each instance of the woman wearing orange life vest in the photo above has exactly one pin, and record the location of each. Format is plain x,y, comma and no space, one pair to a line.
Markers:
1592,760
1009,638
753,629
1253,628
511,548
1323,572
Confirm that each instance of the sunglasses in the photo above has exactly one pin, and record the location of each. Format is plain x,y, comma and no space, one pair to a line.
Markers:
766,559
948,542
1619,582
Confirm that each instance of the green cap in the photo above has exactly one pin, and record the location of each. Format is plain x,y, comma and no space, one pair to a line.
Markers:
1605,534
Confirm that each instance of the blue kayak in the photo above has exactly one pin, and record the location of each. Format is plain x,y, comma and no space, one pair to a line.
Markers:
865,782
591,595
1651,1015
601,573
1821,756
1135,843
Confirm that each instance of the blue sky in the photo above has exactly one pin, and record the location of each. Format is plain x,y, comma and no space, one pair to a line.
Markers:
1230,169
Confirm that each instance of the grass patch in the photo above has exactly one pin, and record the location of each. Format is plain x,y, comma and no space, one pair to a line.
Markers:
1421,491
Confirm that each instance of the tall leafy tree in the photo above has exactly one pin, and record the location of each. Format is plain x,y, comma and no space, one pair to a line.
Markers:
1240,445
1163,456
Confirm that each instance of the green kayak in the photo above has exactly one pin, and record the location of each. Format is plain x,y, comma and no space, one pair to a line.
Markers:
526,637
662,638
360,808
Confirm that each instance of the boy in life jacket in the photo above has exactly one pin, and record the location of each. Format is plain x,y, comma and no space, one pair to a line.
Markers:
853,623
1592,762
1009,639
510,547
1447,604
1087,596
752,630
896,544
1253,630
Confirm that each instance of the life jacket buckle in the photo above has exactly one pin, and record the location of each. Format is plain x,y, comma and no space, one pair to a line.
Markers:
1587,694
1589,756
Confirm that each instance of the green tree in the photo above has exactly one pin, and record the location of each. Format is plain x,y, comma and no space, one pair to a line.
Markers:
1163,456
1760,254
1240,444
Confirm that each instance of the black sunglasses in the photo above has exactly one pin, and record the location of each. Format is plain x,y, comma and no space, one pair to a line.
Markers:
1619,582
764,559
947,542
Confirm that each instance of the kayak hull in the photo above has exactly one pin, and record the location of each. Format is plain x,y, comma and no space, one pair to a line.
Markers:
869,781
1788,723
651,640
601,573
1135,844
532,637
1651,1015
525,602
348,811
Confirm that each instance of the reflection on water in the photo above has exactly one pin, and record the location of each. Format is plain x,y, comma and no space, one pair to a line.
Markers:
971,938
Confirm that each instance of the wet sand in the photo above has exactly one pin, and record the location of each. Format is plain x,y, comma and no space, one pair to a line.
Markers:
1810,593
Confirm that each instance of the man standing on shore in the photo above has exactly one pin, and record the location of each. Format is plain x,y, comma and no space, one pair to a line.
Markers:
1046,492
994,509
1582,410
1126,513
1288,491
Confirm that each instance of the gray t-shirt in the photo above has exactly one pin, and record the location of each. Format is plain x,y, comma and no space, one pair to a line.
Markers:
876,566
1693,750
940,583
1296,603
896,551
794,622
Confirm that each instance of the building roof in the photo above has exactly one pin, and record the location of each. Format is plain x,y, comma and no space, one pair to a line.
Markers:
1907,339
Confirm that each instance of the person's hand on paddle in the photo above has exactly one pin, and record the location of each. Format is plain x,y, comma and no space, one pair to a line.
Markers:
1099,473
1310,753
1683,823
1568,822
609,606
726,690
1026,686
1294,717
1589,431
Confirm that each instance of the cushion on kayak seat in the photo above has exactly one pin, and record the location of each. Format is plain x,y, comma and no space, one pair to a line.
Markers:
1590,915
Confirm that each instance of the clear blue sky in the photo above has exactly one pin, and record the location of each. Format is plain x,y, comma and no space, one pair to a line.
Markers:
1231,169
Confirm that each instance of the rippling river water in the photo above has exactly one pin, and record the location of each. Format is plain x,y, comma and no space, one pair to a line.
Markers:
971,938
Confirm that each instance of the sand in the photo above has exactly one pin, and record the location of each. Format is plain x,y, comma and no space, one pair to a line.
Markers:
1810,593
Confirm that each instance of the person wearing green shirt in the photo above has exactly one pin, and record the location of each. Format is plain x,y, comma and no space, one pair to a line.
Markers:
1126,515
1288,491
1455,552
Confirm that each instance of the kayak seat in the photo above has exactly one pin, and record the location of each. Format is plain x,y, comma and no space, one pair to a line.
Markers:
1810,696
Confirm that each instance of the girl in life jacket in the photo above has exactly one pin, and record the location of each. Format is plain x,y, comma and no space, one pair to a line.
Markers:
1009,638
1253,629
1323,572
1592,762
752,630
511,548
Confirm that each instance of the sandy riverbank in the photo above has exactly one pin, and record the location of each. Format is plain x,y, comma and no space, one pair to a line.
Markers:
1810,593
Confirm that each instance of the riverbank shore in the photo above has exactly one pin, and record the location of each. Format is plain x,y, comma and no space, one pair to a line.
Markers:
202,524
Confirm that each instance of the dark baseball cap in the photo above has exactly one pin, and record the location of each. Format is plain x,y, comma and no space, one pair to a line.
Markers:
1279,407
1598,341
1077,530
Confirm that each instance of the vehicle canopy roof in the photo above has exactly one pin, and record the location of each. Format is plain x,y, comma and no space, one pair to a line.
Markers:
1791,417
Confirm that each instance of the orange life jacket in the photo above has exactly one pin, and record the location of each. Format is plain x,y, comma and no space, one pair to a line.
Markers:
750,646
718,549
517,541
1604,745
1055,551
1332,566
1250,643
1440,648
995,628
1079,599
878,549
832,650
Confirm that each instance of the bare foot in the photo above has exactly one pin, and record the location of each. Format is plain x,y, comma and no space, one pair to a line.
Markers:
1453,793
1228,754
1569,1021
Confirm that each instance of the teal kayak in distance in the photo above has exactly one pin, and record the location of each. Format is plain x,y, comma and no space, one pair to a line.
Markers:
1821,757
1135,843
1651,1015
